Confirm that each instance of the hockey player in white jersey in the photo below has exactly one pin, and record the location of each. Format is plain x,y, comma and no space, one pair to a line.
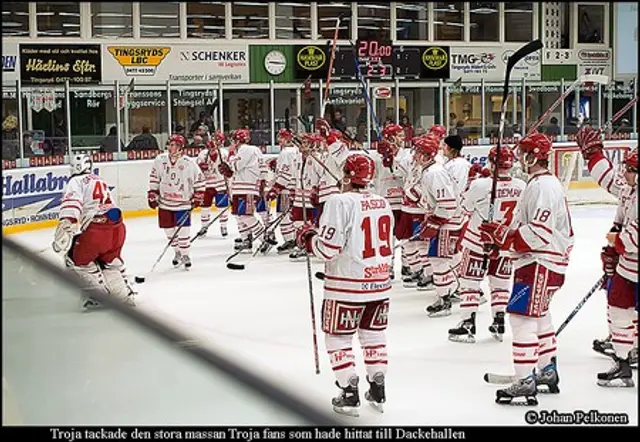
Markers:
283,188
176,186
244,172
91,233
354,240
333,152
475,263
216,184
540,245
619,257
263,209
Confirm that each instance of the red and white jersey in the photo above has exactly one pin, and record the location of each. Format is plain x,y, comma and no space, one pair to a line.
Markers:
304,183
214,179
284,168
603,171
458,169
475,201
388,181
85,195
355,241
245,163
402,164
176,182
544,234
438,196
333,158
412,190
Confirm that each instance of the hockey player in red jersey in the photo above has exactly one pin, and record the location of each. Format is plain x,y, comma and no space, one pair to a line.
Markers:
354,240
243,170
620,256
91,233
540,245
283,188
176,186
472,270
216,184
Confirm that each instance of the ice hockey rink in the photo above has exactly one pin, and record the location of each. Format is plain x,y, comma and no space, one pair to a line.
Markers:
261,317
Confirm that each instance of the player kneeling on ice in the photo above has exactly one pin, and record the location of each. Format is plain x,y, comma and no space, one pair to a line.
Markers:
91,233
354,241
540,244
176,186
476,263
620,256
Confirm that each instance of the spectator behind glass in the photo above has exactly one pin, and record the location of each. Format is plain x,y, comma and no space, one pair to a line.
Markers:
408,128
338,121
144,141
110,142
553,128
203,120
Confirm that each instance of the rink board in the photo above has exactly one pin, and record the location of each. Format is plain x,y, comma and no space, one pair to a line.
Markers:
31,196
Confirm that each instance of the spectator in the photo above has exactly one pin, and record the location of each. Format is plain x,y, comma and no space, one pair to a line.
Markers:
110,142
553,128
144,141
408,128
203,120
338,121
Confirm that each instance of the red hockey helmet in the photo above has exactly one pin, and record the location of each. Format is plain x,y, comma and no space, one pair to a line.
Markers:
438,130
241,135
392,130
536,145
506,158
359,168
589,137
314,139
285,134
427,146
631,160
178,139
334,135
217,139
322,126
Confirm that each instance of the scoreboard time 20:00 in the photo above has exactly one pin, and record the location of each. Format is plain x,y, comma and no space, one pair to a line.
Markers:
375,59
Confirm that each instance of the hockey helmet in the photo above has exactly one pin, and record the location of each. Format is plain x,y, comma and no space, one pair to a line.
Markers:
334,135
322,126
392,130
438,130
631,161
359,169
241,136
589,137
80,164
506,158
178,139
426,146
285,135
536,146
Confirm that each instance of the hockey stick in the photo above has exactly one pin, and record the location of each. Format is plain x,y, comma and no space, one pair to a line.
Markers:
205,228
331,59
270,227
181,223
309,275
620,113
494,378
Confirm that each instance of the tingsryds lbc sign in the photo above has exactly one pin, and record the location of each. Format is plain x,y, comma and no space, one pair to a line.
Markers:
47,64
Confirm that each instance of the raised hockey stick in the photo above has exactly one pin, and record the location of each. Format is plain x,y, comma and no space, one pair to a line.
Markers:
310,277
270,227
495,378
619,114
181,223
325,98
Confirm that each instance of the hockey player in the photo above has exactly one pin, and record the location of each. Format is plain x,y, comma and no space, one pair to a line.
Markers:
244,171
620,256
306,186
91,233
435,193
176,186
540,246
331,152
217,188
354,241
472,270
283,188
263,209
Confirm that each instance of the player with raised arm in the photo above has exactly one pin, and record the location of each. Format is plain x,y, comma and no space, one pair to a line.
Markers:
540,244
216,185
473,265
91,233
283,187
354,241
176,186
244,171
619,257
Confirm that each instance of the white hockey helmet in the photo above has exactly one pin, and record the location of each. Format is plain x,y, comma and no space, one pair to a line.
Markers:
80,163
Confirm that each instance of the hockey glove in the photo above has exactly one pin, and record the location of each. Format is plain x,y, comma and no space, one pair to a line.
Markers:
305,235
213,155
494,233
197,199
485,173
274,192
153,199
475,170
225,170
609,258
273,164
430,227
203,166
63,236
589,141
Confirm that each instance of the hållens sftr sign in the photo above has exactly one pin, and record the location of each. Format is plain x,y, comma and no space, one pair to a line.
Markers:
228,62
48,64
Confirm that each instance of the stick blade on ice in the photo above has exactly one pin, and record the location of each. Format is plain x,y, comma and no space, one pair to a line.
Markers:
234,266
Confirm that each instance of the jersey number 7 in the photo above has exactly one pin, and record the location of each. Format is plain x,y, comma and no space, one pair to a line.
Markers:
383,236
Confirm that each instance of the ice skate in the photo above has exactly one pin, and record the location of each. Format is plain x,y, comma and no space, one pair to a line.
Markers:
497,328
406,271
223,231
522,388
411,280
177,259
440,308
186,260
465,331
425,283
203,230
483,299
348,401
454,297
297,255
376,394
633,358
603,346
618,376
245,245
268,243
90,304
286,247
549,378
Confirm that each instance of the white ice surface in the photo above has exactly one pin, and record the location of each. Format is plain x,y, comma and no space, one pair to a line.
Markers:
261,317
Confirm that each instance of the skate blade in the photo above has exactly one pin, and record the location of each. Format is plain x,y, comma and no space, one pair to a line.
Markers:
498,336
547,389
409,285
527,401
425,289
377,406
440,314
616,383
462,339
483,300
347,411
